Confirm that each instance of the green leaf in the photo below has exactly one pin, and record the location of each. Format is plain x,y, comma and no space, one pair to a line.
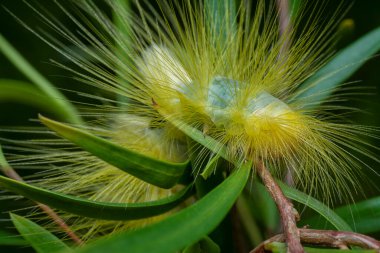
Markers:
248,221
181,229
221,20
26,93
58,100
8,239
363,216
322,84
316,205
205,140
263,206
210,167
294,6
39,238
95,209
156,172
3,162
206,245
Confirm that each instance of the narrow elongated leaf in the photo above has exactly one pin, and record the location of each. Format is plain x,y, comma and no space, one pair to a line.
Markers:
316,205
210,167
39,238
3,162
57,99
26,93
262,206
363,216
183,228
294,6
156,172
205,140
206,245
8,239
323,83
95,209
220,16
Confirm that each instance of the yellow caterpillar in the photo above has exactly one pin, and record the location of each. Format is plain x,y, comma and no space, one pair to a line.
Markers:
238,86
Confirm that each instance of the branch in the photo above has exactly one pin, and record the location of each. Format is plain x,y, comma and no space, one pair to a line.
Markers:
285,25
289,215
328,238
284,15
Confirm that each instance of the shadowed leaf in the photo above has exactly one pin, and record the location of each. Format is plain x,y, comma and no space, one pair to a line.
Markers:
363,216
8,239
95,209
48,89
316,205
323,83
160,173
39,238
26,93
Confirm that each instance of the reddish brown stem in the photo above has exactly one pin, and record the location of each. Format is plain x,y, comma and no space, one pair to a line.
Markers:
288,214
328,238
284,15
11,173
337,238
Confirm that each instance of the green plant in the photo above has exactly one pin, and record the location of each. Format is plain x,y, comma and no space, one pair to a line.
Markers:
208,100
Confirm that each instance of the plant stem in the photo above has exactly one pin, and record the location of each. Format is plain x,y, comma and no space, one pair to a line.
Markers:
288,214
329,238
284,23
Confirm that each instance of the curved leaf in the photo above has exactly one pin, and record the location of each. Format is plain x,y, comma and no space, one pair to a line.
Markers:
295,7
363,216
26,93
210,167
95,209
322,84
181,229
156,172
205,140
39,238
206,245
221,19
3,162
57,99
316,205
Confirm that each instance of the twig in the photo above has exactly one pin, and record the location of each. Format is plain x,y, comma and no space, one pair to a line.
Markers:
328,238
11,173
284,23
288,214
284,16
